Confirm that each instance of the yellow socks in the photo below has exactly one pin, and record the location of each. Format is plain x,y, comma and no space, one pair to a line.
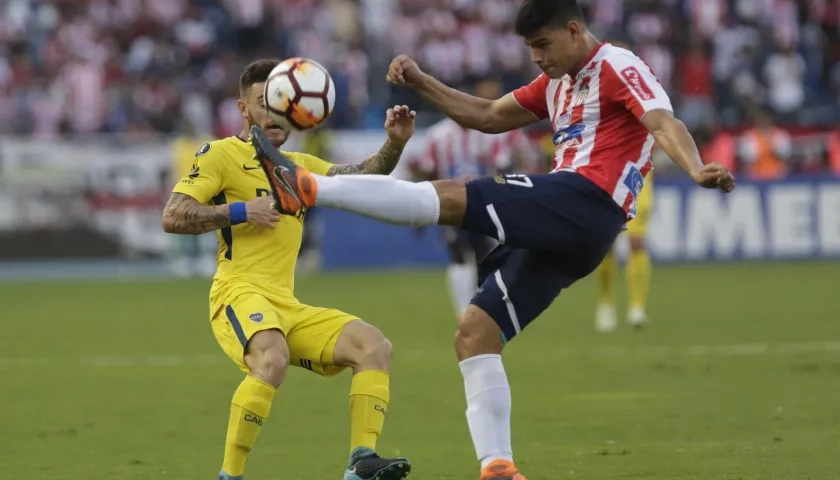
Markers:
638,279
249,408
369,397
604,279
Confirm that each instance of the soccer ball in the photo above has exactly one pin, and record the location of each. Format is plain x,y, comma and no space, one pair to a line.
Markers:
299,94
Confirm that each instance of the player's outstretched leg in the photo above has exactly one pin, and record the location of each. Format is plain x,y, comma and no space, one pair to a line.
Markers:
381,197
479,345
267,357
363,348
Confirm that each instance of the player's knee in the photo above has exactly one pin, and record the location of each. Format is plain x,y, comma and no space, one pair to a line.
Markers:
376,353
637,244
477,334
364,347
267,356
453,201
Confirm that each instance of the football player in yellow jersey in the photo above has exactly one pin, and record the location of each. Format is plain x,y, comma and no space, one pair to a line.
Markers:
638,269
254,314
190,254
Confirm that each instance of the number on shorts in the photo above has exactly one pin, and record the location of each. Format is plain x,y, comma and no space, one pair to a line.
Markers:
519,180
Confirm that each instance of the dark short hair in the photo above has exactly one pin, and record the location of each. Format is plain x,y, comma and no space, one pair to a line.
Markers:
536,14
256,72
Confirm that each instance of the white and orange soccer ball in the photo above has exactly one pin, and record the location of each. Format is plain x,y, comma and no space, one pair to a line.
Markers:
299,94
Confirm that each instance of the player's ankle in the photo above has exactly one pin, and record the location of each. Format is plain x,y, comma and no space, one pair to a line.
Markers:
498,458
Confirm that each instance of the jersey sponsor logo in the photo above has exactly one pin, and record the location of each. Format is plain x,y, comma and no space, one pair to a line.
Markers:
634,181
570,136
587,72
637,83
564,120
194,172
204,149
256,317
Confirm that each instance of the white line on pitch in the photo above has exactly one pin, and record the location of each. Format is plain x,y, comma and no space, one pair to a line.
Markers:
745,349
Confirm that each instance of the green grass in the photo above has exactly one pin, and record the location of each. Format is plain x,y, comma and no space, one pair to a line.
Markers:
88,394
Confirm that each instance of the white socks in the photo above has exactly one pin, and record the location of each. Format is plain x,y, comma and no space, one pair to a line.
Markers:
462,280
488,407
381,197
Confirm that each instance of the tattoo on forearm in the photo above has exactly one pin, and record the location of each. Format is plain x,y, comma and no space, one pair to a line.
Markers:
382,162
185,215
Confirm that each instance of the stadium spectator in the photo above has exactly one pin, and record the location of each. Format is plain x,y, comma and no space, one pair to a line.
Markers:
765,148
143,66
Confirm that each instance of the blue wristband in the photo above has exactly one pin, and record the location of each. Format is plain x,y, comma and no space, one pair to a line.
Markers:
238,213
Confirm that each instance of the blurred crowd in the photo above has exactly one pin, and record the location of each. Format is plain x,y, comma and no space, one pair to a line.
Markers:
171,66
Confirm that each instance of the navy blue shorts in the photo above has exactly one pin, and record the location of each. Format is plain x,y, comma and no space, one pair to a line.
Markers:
553,230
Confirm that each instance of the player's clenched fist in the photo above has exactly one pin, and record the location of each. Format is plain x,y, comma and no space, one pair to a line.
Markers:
714,175
404,71
261,212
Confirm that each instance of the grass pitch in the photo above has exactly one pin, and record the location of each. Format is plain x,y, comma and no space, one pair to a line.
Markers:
736,378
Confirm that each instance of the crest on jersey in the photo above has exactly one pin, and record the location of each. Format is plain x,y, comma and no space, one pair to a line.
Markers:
256,317
204,149
581,94
570,136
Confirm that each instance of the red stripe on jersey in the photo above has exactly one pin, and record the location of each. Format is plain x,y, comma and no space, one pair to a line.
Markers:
647,167
533,97
627,202
567,101
577,117
557,106
619,91
619,137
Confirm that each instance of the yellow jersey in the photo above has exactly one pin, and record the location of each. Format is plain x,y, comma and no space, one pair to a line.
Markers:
223,172
183,154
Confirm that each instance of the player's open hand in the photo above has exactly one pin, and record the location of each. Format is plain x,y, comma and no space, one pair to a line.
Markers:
261,212
404,71
399,124
714,175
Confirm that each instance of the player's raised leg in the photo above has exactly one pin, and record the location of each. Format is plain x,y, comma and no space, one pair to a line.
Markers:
267,357
366,350
378,196
605,318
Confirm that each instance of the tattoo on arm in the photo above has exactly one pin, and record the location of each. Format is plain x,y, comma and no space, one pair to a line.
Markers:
185,215
382,162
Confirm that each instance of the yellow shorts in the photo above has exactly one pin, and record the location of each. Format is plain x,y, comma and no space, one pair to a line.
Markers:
311,332
638,227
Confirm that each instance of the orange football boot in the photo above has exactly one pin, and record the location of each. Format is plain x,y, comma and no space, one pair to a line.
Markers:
501,470
293,186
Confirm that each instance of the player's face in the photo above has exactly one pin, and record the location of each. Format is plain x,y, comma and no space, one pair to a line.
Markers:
254,111
556,50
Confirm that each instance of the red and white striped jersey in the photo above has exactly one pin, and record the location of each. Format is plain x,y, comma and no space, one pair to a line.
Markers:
460,153
596,116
